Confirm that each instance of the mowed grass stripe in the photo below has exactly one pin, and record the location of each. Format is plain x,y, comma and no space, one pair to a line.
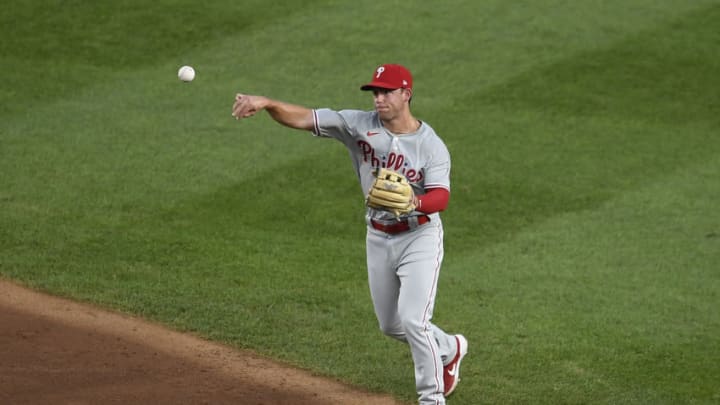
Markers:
70,47
619,300
572,135
607,157
145,196
167,136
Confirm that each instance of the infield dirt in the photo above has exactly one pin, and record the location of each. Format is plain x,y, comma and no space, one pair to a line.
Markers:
56,351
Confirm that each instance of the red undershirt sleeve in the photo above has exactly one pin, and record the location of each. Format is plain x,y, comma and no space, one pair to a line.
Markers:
434,200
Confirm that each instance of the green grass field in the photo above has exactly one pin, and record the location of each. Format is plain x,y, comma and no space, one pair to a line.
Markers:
583,234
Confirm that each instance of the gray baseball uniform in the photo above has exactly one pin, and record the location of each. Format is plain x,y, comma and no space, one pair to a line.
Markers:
403,268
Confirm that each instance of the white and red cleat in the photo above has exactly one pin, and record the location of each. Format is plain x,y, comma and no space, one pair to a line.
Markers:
451,372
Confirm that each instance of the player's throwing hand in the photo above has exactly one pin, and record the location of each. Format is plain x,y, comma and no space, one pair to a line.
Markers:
246,106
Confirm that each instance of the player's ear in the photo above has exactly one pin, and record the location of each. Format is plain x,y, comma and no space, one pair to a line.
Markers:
407,94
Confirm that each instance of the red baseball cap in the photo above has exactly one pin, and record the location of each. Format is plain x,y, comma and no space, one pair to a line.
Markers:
391,77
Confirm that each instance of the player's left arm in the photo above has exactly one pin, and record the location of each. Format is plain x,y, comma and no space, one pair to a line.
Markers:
436,182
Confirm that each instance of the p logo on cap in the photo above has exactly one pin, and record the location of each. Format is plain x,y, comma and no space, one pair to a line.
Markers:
390,77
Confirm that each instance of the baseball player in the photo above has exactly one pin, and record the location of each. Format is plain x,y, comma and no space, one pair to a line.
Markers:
404,171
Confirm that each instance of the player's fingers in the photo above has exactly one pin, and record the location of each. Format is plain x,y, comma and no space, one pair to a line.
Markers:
245,106
248,113
238,113
240,107
243,111
236,104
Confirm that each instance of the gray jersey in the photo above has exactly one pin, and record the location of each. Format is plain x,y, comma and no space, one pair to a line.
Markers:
421,156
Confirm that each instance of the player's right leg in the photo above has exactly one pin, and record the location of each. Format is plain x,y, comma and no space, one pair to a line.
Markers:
384,284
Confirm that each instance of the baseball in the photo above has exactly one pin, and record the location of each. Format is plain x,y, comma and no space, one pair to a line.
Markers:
186,73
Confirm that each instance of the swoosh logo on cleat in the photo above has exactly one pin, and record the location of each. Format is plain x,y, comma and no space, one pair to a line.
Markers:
453,370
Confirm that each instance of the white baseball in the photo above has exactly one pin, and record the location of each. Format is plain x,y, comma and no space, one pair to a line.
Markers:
186,73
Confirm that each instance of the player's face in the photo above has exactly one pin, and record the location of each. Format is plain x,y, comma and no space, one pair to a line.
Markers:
390,103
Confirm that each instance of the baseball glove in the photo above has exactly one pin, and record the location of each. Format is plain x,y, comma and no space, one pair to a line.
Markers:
391,192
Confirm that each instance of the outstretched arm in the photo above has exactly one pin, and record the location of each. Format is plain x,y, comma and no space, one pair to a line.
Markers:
291,115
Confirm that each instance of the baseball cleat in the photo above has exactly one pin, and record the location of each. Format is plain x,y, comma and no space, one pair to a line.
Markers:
451,372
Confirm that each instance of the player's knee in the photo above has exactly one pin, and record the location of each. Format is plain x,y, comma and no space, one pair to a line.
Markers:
394,330
412,326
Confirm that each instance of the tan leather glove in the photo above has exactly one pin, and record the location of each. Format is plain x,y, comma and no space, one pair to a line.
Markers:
391,192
